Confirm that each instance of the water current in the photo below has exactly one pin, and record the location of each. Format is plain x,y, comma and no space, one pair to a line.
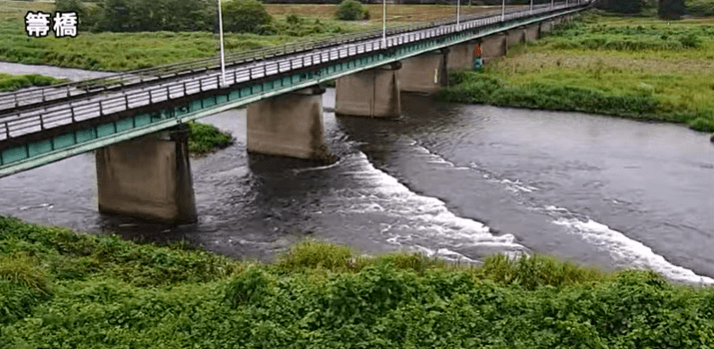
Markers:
458,181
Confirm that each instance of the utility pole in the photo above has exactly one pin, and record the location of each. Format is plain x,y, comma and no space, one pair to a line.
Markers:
458,13
223,57
384,23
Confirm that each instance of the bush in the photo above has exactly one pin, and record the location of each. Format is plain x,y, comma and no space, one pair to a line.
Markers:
204,138
700,7
244,16
671,9
351,10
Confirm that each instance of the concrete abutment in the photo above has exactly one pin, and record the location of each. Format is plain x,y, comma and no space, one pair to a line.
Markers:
426,73
148,178
288,125
371,93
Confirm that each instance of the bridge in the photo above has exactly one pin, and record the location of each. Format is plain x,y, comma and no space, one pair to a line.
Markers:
135,121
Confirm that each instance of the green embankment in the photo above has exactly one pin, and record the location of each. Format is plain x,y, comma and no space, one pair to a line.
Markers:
109,51
10,82
60,289
640,68
204,138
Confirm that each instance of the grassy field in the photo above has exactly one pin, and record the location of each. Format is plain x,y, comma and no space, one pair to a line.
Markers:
9,82
128,51
60,289
640,68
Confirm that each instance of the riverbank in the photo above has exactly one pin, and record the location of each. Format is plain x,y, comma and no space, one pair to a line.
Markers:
61,289
9,82
639,68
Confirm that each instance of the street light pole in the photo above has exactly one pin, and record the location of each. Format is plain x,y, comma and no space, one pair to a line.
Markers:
531,6
458,13
552,3
384,23
503,11
223,57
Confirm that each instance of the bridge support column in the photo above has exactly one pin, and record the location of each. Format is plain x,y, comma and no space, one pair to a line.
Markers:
461,56
516,36
288,125
493,46
148,177
532,32
425,73
546,27
372,93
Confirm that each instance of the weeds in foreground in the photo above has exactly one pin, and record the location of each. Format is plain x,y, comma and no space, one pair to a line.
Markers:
320,295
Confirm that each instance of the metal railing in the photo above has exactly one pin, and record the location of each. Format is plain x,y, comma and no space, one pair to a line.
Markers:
14,100
268,62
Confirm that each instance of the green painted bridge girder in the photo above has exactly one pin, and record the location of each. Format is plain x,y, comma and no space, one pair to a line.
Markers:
34,154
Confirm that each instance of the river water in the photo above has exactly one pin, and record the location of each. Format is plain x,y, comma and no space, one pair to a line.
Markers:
459,181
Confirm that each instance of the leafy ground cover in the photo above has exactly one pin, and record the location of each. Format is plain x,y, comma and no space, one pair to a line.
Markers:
61,289
9,82
204,138
636,67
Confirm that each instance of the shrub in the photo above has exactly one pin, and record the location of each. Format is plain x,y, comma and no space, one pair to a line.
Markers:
671,9
351,10
700,7
316,254
204,138
244,16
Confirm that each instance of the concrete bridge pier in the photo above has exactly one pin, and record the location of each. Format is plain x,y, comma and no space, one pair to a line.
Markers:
546,27
288,125
425,73
148,178
516,36
461,56
532,32
372,93
493,46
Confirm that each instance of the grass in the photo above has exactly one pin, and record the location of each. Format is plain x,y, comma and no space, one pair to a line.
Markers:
102,291
10,82
639,68
128,51
204,138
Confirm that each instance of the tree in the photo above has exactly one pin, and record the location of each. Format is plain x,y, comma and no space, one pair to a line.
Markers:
671,9
351,10
244,16
621,6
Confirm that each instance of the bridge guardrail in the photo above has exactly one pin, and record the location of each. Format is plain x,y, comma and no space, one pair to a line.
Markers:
15,125
17,99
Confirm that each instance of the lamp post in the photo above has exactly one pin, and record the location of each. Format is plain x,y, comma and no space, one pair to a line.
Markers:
503,11
384,23
223,58
552,3
458,13
531,6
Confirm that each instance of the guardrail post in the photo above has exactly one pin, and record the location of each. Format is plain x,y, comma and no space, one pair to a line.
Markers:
42,123
184,88
200,85
71,109
7,130
101,109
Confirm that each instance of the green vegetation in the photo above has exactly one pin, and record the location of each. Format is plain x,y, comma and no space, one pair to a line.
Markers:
109,51
244,16
621,6
204,138
700,7
10,82
638,68
65,290
351,10
671,9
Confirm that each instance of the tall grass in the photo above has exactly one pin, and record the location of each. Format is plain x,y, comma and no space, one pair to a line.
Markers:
320,295
10,82
629,67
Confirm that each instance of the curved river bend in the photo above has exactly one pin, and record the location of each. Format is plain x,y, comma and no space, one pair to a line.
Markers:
461,181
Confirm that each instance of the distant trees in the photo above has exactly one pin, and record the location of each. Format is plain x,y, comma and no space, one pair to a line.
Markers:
351,10
621,6
671,9
244,16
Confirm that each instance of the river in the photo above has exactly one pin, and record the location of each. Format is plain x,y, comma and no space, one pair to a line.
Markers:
459,181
